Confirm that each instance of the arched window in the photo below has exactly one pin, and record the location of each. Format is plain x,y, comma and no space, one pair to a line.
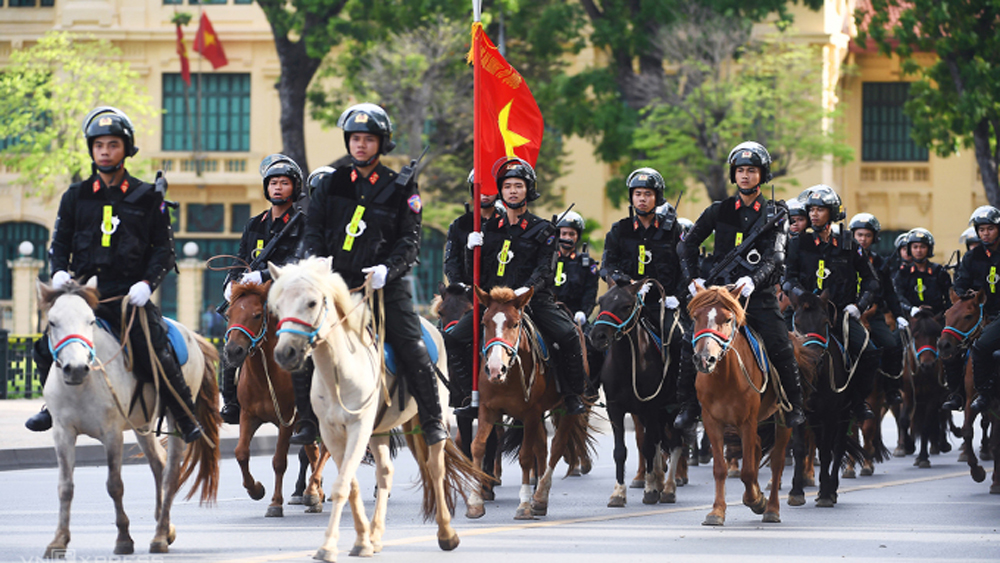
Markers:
12,234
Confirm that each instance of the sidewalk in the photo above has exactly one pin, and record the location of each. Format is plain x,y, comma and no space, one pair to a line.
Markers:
21,448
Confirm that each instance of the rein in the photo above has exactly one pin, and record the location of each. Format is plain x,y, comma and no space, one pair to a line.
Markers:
964,338
254,340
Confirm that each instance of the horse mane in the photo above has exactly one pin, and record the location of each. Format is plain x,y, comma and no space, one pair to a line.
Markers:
316,271
924,322
435,306
48,295
717,296
252,289
502,294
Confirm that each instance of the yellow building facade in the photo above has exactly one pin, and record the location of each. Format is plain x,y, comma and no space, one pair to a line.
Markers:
932,192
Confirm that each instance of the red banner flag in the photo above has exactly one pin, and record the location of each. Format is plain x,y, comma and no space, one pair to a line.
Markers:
207,43
508,122
182,53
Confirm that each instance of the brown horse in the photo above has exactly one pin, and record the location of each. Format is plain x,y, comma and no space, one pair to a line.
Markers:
735,395
514,380
265,393
929,388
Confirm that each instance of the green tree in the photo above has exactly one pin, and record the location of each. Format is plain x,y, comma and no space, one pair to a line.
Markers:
45,92
728,89
955,102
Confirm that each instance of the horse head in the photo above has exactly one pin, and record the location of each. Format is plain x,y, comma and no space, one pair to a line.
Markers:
717,316
502,329
926,331
451,303
247,321
71,327
962,321
619,314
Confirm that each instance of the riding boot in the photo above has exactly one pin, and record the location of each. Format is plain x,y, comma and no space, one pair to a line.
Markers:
421,382
42,420
861,388
790,382
891,387
460,374
982,379
188,427
687,396
572,375
302,386
231,409
954,370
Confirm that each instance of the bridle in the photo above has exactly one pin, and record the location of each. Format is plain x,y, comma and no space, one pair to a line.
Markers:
511,349
964,338
73,339
813,338
254,340
621,327
312,335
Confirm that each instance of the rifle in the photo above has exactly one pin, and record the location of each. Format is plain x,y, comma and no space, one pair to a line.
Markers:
265,253
734,258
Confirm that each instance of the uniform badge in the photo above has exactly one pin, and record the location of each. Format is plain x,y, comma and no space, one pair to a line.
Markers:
361,118
593,269
415,204
550,240
104,122
746,154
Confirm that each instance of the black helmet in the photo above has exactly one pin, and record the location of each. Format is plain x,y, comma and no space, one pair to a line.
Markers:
317,176
646,178
472,191
281,165
107,120
865,221
796,208
573,220
900,242
970,237
367,118
750,153
985,215
822,195
920,235
685,224
515,168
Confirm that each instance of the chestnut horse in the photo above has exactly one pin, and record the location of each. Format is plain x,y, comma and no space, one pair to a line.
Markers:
735,395
265,393
514,380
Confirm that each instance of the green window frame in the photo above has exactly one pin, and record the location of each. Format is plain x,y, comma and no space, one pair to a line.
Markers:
238,217
225,112
11,235
205,218
885,128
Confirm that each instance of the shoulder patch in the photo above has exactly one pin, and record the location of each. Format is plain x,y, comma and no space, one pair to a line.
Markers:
550,240
415,204
593,269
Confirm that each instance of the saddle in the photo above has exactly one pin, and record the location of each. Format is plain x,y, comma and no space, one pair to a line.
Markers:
432,351
757,346
175,339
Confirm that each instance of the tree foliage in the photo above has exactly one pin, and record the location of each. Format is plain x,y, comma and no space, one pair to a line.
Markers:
955,102
45,92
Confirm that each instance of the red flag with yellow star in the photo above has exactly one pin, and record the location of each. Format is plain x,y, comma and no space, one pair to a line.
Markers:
508,122
207,43
182,53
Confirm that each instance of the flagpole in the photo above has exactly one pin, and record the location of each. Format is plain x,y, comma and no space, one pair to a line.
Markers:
477,216
197,118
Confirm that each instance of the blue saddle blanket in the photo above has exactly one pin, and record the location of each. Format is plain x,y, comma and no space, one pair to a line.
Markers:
432,350
758,351
174,336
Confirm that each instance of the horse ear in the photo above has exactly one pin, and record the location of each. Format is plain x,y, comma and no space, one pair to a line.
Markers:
267,286
735,290
980,297
274,270
954,296
521,300
698,287
45,294
483,296
441,288
825,296
92,283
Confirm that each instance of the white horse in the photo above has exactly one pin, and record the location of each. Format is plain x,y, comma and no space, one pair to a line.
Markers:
357,405
87,390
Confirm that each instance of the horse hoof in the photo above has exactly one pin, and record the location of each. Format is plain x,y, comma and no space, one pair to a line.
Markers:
995,489
314,508
310,500
733,474
668,498
362,551
324,555
945,447
574,472
637,484
616,502
758,506
274,512
55,552
488,494
474,512
448,544
158,547
923,463
796,500
867,471
713,520
171,535
824,503
524,512
984,454
257,492
681,481
978,473
849,473
539,508
771,518
586,467
810,481
126,547
296,499
533,481
650,497
934,449
899,452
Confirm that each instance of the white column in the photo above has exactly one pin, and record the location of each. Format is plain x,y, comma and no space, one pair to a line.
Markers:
24,272
189,291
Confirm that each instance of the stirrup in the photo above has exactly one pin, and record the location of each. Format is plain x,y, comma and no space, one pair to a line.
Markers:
954,402
574,405
980,403
306,434
230,413
686,418
466,411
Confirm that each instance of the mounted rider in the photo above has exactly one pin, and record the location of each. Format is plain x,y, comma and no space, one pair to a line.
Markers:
518,249
922,283
282,184
117,228
978,271
757,269
865,229
576,273
371,224
798,217
820,259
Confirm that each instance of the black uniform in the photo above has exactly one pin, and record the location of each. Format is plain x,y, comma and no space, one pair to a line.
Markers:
979,270
917,288
385,220
815,266
731,220
457,271
887,341
258,232
575,282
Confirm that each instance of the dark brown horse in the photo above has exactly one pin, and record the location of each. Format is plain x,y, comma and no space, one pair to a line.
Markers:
735,396
515,381
929,388
265,393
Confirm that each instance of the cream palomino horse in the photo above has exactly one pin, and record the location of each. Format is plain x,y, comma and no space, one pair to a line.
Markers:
87,391
357,405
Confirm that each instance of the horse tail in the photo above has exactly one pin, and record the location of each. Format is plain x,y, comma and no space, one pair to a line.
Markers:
460,475
581,446
880,453
854,450
509,445
201,454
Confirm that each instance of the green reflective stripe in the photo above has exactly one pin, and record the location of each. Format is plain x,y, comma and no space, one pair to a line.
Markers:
820,274
993,279
559,274
920,288
107,226
503,258
352,229
642,257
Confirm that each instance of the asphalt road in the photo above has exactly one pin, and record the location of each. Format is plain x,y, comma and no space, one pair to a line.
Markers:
902,513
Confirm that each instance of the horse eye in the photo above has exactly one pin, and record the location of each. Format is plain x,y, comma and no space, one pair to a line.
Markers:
312,304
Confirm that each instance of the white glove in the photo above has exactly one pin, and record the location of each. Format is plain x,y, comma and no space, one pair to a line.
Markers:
227,293
475,239
60,278
853,311
901,323
378,275
747,284
520,291
580,318
913,310
252,277
671,302
138,294
692,287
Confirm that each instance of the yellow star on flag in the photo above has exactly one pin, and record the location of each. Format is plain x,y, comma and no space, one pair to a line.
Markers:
209,39
511,140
